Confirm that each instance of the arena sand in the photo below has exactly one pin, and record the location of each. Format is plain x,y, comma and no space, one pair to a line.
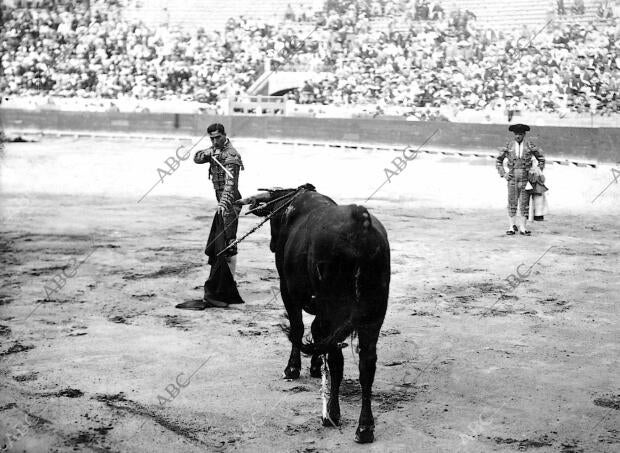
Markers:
466,362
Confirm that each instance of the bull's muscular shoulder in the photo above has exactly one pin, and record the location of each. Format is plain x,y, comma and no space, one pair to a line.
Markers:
232,156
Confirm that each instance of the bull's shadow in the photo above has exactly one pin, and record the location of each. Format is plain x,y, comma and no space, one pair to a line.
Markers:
334,263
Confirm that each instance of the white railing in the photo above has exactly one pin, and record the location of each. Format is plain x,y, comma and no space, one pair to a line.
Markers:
257,105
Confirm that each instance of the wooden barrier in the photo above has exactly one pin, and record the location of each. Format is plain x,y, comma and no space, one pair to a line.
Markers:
570,143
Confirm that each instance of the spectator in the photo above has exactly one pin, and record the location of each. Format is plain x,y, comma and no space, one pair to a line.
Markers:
604,9
289,14
561,8
578,8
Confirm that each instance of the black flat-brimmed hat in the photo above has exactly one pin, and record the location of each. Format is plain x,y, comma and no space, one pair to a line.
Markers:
519,128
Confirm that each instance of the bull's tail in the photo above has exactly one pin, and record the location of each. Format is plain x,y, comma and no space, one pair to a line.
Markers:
334,340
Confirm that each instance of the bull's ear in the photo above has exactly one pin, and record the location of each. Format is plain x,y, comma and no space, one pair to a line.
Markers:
307,186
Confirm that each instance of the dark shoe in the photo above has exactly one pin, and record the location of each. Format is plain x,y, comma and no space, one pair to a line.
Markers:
197,304
515,229
525,233
210,302
510,232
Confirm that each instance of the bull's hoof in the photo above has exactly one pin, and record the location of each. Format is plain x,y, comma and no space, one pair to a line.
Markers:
365,435
330,422
290,373
315,370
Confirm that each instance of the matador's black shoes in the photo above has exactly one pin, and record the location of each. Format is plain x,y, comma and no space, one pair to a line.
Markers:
513,231
202,304
197,304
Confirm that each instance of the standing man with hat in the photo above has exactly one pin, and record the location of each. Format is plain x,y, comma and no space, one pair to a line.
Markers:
225,164
518,154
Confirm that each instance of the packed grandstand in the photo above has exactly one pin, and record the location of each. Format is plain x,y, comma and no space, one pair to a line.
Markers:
425,55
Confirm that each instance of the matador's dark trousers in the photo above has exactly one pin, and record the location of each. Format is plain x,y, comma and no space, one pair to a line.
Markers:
231,222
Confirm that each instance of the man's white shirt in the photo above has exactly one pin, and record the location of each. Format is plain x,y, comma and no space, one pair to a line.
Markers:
519,149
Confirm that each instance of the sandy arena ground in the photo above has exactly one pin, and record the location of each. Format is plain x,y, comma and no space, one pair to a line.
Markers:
466,362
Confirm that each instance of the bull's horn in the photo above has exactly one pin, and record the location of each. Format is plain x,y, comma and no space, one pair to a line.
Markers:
253,199
243,201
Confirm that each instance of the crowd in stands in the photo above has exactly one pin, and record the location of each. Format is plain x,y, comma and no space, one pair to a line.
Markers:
452,62
70,51
429,58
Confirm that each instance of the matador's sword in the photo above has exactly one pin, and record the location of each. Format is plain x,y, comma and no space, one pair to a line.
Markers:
223,168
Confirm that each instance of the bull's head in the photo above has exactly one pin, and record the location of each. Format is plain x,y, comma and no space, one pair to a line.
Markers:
273,201
269,200
258,203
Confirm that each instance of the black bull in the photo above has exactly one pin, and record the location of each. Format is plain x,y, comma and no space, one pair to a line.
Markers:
334,263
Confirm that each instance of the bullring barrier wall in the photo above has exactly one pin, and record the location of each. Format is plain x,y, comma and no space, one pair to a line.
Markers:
579,143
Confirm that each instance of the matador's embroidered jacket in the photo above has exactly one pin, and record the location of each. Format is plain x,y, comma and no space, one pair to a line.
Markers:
507,152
